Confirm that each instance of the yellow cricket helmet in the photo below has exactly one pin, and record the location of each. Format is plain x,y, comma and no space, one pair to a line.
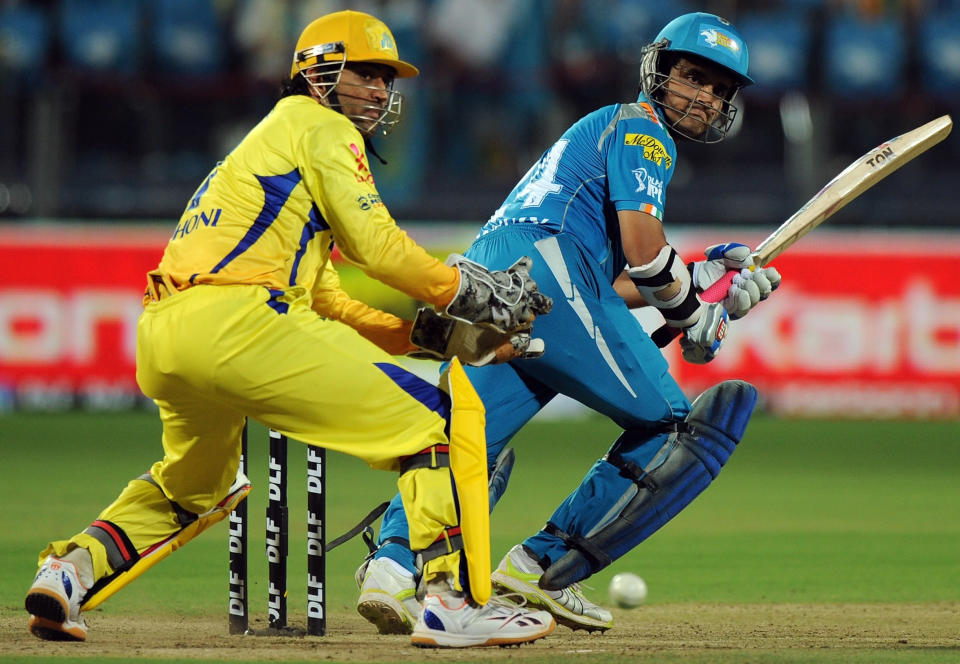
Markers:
349,36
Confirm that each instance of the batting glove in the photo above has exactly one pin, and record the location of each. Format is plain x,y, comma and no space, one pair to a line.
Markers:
750,286
701,342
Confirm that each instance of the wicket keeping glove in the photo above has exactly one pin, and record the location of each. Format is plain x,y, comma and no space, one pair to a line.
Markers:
504,300
441,338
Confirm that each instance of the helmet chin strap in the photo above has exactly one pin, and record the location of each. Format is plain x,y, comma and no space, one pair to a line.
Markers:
369,145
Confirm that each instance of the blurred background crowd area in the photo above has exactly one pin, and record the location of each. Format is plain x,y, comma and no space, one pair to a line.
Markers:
117,109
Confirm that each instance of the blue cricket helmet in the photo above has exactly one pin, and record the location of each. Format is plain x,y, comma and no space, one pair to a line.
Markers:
701,36
710,37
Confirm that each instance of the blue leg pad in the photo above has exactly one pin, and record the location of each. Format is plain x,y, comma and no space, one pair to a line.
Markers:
678,473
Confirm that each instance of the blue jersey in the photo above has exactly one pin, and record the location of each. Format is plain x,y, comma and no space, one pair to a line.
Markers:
563,214
619,157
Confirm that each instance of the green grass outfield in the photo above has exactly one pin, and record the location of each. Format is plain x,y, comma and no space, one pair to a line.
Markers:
806,511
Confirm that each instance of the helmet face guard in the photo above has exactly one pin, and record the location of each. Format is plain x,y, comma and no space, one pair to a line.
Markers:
324,76
698,37
654,82
333,42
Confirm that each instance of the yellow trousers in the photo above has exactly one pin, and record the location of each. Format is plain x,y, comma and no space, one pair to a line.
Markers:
212,355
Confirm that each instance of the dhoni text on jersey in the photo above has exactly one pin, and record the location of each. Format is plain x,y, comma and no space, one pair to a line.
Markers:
190,224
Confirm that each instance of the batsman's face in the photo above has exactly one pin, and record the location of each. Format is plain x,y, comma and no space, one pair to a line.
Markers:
364,91
695,95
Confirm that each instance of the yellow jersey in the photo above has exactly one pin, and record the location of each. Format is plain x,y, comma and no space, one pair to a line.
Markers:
270,213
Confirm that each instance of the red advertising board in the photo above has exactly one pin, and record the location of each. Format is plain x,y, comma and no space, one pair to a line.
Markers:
70,296
865,324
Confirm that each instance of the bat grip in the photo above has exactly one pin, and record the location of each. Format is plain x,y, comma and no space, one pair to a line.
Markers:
713,293
718,290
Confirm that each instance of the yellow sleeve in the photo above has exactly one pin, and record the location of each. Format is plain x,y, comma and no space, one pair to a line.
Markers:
343,188
389,332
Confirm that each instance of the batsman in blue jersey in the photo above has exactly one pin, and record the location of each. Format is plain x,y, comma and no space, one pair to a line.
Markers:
590,212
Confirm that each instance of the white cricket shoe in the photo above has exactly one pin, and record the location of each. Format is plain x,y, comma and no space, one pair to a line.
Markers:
53,602
519,573
449,620
388,596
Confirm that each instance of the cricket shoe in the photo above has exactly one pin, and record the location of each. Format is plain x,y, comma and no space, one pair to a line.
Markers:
520,573
449,620
388,596
53,602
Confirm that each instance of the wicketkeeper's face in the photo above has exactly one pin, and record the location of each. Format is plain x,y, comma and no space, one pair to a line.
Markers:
364,91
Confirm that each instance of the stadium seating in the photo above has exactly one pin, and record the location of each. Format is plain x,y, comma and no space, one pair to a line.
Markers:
186,37
101,35
864,59
779,45
938,54
24,37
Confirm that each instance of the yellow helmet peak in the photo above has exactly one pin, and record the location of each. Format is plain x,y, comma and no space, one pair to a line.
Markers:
351,36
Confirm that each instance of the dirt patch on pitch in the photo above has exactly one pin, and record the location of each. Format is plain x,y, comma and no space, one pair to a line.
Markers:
650,632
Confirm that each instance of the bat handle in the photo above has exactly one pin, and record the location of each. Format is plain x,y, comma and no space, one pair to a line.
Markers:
714,293
718,290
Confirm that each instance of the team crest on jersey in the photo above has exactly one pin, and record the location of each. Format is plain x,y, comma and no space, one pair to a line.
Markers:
653,149
363,170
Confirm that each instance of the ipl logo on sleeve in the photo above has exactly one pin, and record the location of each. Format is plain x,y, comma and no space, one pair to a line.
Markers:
646,182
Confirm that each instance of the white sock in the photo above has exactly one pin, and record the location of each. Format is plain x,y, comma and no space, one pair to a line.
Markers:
524,561
397,567
441,584
83,561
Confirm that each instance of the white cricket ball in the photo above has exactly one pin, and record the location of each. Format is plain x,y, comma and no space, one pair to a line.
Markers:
627,590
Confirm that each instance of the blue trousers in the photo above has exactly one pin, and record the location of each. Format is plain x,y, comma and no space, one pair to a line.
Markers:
596,352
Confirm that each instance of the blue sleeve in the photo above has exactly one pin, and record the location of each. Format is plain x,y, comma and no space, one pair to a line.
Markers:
640,163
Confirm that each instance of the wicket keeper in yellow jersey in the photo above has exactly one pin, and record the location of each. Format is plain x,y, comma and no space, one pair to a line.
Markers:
242,319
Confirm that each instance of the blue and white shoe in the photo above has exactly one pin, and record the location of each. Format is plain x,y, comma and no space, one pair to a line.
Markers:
450,620
53,602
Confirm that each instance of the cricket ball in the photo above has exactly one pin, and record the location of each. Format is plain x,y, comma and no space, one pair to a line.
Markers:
627,590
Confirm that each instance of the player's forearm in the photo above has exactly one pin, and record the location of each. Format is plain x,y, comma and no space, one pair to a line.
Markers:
392,334
389,332
392,257
626,289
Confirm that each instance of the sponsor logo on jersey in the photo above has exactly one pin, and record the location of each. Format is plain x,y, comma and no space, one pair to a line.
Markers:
369,201
653,149
649,184
363,170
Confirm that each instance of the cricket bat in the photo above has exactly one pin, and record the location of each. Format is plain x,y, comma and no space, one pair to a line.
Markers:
852,181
